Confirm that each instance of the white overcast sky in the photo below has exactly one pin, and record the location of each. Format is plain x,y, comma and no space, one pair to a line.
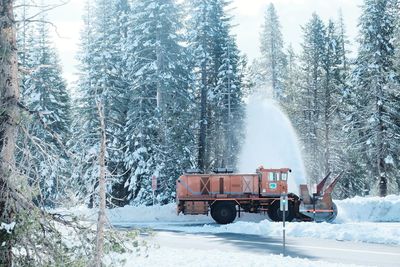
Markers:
248,18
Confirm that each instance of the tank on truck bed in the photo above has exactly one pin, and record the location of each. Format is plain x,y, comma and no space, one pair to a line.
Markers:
224,195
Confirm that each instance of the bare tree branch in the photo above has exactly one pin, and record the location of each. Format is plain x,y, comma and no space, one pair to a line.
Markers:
46,22
48,8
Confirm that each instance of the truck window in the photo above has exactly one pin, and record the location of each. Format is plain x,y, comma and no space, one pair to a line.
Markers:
272,176
284,176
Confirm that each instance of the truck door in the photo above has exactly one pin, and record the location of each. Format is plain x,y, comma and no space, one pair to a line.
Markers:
275,183
272,183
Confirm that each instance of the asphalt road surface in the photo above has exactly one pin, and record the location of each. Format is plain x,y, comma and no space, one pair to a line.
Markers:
314,249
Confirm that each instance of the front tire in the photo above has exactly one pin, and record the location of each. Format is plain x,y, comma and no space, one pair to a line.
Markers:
276,215
223,212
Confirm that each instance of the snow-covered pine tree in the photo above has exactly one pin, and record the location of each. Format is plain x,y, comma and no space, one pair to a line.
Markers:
101,77
377,109
158,137
203,29
312,68
272,52
25,44
316,112
85,123
342,45
245,76
396,93
118,106
213,52
257,75
45,92
330,97
290,99
345,157
230,107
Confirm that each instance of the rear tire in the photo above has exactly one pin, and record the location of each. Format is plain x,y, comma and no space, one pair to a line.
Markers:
223,212
276,215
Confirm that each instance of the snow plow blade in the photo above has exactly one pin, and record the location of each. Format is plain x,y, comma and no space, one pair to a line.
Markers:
319,207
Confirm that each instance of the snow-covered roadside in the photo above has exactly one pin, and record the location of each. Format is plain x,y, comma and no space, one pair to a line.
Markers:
169,257
358,232
360,219
369,209
358,209
139,214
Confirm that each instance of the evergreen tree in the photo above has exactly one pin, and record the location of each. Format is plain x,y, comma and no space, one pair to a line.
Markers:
102,79
84,123
273,57
313,53
345,147
331,93
118,104
25,42
319,100
158,137
217,82
257,75
204,29
230,107
376,112
342,45
44,91
290,99
396,92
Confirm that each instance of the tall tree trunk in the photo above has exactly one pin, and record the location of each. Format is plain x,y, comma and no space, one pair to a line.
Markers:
203,119
381,149
102,188
159,63
9,95
201,157
327,124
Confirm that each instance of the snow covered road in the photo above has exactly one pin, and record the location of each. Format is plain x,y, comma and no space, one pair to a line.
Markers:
371,220
366,232
229,249
379,233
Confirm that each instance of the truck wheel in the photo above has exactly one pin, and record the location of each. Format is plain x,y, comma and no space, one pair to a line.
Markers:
223,212
276,215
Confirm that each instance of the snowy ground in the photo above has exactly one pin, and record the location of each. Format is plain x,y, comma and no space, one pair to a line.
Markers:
372,220
168,257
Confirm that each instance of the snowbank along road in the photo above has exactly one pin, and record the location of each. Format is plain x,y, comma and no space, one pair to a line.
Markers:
366,232
253,246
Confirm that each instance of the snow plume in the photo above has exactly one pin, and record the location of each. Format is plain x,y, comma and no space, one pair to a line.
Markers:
271,141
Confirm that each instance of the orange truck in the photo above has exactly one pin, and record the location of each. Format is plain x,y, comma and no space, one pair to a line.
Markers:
225,195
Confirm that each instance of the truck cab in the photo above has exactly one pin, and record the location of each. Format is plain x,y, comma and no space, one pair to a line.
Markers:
273,182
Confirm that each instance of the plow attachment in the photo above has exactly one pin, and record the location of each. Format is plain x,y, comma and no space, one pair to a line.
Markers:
319,206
